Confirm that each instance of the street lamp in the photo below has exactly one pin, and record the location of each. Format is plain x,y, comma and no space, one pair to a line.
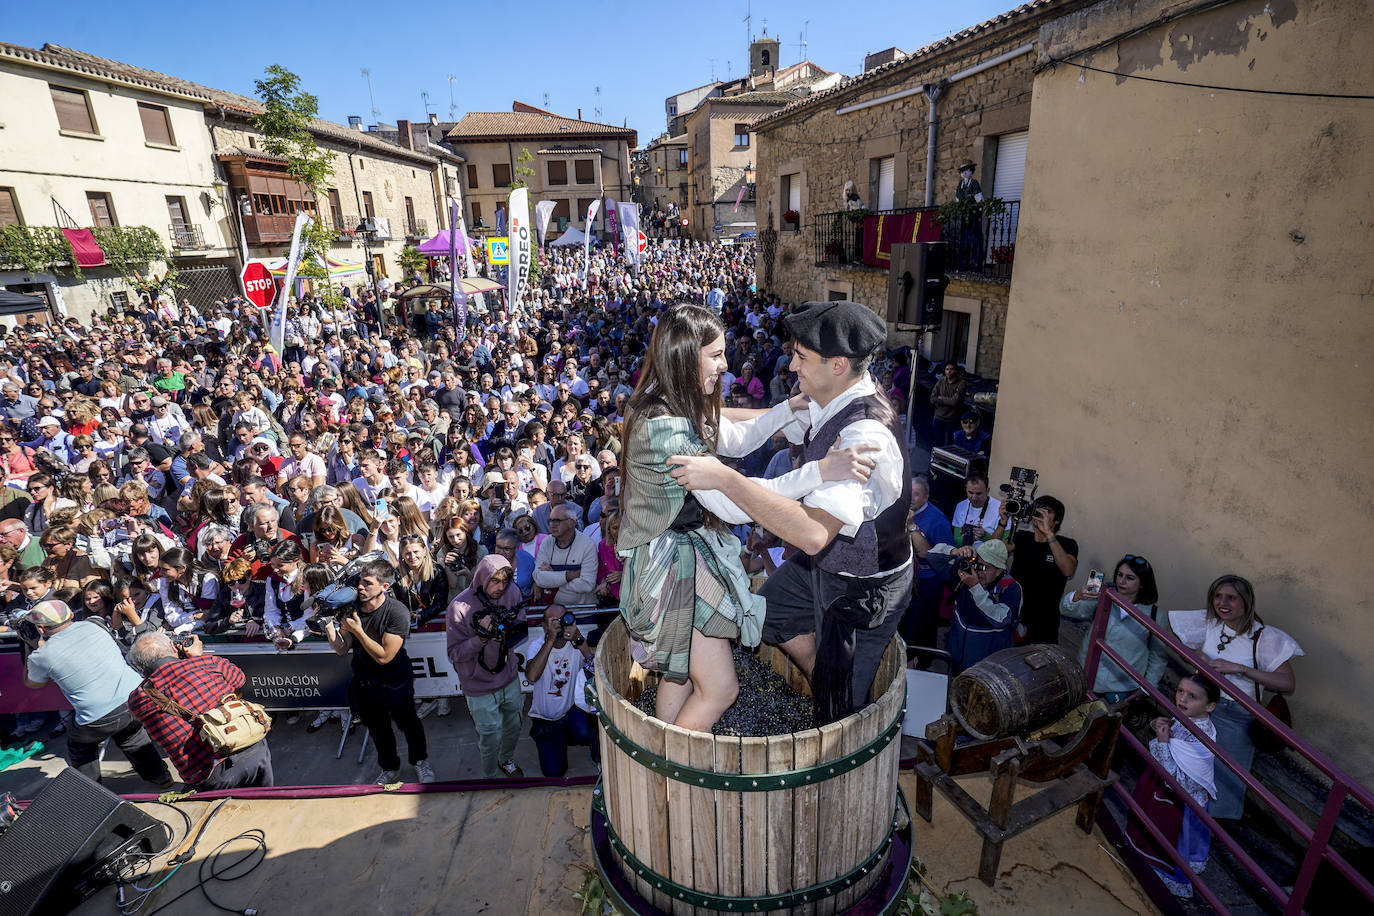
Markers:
366,228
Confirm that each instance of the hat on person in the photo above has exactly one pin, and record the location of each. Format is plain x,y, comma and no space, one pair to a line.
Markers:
493,479
159,402
760,334
545,407
966,165
51,613
49,421
839,328
993,553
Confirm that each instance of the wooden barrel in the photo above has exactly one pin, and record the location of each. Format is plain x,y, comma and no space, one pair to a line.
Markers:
800,822
1017,690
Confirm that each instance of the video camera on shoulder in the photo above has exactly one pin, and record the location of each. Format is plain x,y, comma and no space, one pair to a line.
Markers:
1018,495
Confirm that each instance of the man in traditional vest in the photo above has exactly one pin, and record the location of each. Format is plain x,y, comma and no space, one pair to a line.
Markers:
833,607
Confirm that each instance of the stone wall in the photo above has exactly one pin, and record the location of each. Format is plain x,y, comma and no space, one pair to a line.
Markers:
824,149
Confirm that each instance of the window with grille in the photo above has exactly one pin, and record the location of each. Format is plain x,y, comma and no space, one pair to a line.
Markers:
157,125
73,109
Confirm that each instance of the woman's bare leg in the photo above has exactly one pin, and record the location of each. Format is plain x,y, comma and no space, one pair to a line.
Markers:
671,697
713,681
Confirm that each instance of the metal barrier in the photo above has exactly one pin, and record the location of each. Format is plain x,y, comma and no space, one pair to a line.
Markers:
1317,841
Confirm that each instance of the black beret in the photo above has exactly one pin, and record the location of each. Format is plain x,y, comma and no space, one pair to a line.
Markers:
837,328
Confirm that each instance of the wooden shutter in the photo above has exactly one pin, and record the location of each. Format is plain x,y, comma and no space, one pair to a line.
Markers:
73,112
9,208
562,209
176,209
156,127
102,214
500,174
558,171
367,205
585,170
472,176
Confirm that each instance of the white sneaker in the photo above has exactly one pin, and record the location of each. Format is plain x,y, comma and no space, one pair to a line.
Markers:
512,769
427,707
389,777
320,721
424,771
292,718
443,707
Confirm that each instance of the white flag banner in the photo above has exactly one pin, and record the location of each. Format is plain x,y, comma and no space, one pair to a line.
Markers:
629,225
543,215
587,241
277,333
521,245
478,303
611,226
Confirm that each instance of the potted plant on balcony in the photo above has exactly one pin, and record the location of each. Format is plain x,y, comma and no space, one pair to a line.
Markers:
791,218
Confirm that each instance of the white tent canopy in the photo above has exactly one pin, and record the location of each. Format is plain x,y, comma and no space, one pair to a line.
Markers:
573,236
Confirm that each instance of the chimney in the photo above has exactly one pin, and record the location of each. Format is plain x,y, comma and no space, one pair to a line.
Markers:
355,122
579,114
434,119
403,136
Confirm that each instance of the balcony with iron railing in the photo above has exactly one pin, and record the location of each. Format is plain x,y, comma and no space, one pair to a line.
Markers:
416,229
981,242
344,225
186,237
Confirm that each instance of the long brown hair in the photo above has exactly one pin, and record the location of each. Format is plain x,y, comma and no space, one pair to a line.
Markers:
672,373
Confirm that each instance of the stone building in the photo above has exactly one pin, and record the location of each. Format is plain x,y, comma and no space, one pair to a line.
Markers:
1189,335
664,176
89,143
875,129
573,163
678,106
720,162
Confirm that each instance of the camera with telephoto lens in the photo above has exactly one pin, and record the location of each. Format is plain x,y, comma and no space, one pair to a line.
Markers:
262,549
182,641
498,622
1019,495
28,633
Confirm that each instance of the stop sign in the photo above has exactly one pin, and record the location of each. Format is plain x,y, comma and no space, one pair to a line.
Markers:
643,242
258,285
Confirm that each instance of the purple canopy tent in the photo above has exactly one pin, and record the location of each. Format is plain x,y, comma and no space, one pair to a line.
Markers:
439,244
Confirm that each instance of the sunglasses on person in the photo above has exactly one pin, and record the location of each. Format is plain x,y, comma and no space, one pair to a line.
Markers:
1135,560
410,538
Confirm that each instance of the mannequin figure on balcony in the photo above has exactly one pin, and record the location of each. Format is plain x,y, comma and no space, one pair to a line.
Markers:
969,254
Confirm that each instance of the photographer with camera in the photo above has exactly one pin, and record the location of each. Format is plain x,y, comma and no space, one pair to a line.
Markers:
383,688
258,541
89,668
987,603
973,516
484,623
1042,561
184,673
553,672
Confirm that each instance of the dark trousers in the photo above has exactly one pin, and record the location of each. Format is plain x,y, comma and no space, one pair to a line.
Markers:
379,705
942,432
85,741
249,768
921,623
554,737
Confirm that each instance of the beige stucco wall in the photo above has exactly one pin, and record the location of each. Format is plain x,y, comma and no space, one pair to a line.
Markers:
665,179
1188,355
716,167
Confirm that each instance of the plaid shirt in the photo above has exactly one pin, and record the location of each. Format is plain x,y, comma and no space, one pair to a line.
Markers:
199,684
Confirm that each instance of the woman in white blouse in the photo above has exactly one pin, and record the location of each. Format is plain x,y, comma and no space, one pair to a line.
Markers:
1253,656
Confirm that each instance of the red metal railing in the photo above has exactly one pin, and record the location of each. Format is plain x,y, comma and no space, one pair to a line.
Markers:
1317,841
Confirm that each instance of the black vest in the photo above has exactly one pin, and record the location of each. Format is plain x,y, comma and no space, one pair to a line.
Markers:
882,543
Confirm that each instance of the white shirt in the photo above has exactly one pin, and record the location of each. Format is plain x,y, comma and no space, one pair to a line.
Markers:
552,693
986,518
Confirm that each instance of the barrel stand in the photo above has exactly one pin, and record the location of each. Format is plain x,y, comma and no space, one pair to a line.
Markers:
1079,770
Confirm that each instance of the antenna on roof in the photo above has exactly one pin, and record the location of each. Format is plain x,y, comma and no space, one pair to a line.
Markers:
713,68
546,101
748,21
598,103
376,112
452,105
424,97
805,28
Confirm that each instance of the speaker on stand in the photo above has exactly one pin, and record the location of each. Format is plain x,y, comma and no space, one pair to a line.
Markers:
68,843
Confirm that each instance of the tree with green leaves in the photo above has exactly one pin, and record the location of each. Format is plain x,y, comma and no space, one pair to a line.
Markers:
522,173
411,261
286,126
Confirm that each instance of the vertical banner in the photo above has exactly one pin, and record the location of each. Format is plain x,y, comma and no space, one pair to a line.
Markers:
472,272
738,197
611,225
587,241
629,225
457,296
277,331
518,274
543,215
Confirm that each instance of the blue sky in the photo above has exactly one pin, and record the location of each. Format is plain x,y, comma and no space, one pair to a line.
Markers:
637,53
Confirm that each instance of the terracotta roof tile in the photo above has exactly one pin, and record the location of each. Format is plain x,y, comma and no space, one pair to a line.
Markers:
528,121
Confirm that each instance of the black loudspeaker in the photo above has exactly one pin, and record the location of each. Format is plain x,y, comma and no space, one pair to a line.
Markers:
916,284
933,282
64,847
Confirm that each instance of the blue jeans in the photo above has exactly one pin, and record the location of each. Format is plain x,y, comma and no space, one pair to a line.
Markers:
553,738
1233,737
497,716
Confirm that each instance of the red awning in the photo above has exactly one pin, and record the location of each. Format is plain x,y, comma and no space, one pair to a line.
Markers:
88,253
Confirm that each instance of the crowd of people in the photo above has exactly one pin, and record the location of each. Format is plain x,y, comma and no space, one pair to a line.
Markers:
168,476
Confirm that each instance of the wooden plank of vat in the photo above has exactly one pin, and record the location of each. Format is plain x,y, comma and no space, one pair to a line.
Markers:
754,833
781,804
704,828
729,810
806,749
657,814
640,808
830,826
677,747
856,786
